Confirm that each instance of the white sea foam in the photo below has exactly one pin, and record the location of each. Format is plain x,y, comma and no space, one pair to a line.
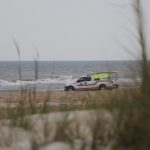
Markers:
6,83
60,80
46,81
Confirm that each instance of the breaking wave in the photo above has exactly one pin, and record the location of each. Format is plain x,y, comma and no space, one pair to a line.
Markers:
46,81
59,80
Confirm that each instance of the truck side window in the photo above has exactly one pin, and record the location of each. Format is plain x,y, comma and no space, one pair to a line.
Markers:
88,79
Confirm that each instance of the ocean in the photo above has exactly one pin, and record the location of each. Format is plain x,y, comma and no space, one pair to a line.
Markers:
53,74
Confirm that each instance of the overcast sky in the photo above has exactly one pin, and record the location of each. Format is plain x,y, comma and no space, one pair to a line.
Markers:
71,29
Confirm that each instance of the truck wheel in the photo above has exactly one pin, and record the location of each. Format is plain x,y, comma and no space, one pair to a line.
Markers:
102,87
70,88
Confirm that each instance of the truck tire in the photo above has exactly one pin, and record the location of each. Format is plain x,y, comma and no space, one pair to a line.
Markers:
102,87
70,88
116,86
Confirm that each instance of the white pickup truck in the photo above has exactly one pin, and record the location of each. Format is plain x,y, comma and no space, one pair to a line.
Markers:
89,83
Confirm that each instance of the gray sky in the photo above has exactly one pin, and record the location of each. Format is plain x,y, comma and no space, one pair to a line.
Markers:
71,29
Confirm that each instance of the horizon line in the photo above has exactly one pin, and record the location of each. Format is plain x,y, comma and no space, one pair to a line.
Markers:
71,60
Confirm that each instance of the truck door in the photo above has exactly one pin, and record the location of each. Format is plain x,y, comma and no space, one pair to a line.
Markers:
89,82
85,83
81,83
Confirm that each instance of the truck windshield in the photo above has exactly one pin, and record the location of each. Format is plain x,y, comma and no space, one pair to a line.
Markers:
84,79
81,79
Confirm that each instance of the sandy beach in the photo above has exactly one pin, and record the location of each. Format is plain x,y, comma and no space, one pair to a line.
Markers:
60,97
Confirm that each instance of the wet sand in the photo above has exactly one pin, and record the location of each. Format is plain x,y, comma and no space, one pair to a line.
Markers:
53,95
59,96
